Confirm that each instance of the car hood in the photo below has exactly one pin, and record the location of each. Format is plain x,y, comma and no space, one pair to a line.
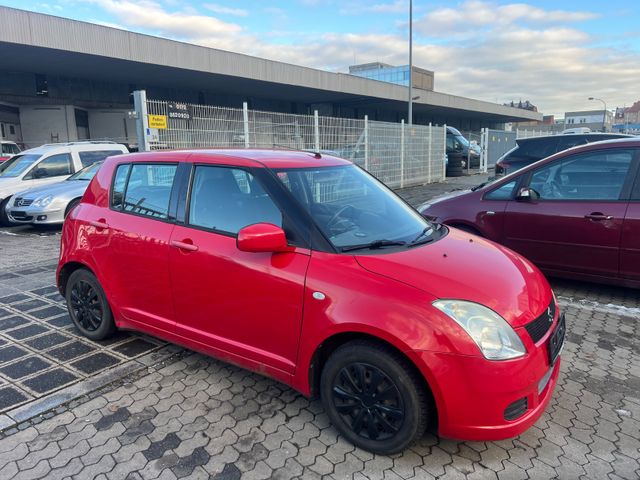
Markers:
70,189
443,197
466,267
9,185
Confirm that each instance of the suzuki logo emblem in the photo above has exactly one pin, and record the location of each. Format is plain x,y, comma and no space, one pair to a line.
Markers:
549,314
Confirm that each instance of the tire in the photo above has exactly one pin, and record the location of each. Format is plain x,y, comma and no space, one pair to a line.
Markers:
4,219
88,306
352,377
72,204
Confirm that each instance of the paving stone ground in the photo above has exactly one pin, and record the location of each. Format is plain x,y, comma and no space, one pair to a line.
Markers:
196,417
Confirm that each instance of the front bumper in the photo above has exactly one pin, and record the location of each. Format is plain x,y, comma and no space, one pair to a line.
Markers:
476,398
35,215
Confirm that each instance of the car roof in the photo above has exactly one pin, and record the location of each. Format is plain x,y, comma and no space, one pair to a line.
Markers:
571,135
269,158
81,147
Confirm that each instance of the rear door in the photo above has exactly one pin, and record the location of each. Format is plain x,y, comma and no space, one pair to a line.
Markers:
576,225
130,241
630,244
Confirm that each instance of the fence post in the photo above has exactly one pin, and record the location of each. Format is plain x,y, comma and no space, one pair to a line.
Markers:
402,154
245,117
429,154
486,149
366,142
316,129
142,121
444,132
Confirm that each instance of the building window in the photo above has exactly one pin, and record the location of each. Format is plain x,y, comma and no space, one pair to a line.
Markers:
42,86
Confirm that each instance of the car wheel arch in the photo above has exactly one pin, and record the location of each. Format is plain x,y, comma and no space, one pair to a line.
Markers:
66,271
336,340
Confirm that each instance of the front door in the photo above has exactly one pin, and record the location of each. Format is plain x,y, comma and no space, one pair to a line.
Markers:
248,305
576,224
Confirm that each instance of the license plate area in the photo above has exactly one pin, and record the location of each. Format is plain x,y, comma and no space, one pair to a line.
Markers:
556,340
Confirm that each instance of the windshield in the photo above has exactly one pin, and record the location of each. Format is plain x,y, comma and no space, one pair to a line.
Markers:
17,165
352,209
87,173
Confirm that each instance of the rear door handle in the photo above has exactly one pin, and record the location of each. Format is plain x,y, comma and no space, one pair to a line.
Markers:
100,224
186,245
598,216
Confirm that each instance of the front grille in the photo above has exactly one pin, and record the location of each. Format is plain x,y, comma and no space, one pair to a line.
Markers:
516,409
539,327
22,202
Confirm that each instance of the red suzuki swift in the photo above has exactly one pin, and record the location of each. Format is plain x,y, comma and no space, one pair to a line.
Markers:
307,269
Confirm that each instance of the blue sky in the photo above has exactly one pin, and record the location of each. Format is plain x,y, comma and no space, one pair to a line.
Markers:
555,54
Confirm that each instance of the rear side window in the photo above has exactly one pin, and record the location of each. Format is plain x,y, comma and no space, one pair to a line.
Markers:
148,190
536,149
119,184
89,158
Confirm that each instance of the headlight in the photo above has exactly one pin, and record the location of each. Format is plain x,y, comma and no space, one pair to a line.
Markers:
43,202
494,336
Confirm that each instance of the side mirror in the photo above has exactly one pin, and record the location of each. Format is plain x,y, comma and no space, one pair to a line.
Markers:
262,237
527,194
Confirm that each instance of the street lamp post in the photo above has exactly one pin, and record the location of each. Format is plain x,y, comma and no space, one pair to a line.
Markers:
604,114
410,113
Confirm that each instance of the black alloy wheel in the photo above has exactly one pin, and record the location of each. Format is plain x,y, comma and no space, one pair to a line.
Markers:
88,306
374,396
369,401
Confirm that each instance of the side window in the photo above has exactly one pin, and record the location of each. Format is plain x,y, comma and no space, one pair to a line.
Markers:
53,166
89,158
7,148
228,199
148,190
504,192
591,176
119,184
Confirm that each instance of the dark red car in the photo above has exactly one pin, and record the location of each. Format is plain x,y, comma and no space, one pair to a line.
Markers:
575,214
305,268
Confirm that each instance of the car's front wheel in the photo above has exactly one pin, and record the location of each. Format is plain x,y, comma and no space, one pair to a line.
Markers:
374,397
88,306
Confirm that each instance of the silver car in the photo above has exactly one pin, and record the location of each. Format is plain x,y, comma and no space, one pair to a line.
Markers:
49,204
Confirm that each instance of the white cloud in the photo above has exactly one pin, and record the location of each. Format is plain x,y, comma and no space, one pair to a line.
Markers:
222,10
523,53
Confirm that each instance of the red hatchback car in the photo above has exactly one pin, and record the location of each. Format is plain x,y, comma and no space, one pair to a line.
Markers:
305,268
575,214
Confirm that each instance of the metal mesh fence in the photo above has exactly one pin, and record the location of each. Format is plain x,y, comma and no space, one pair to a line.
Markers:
395,153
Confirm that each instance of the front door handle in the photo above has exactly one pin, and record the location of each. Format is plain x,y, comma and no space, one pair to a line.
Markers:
99,224
598,216
185,245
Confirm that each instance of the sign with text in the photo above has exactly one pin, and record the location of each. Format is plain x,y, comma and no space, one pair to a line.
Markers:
179,111
158,121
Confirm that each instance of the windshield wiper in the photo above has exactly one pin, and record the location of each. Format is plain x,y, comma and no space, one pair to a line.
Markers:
373,245
415,242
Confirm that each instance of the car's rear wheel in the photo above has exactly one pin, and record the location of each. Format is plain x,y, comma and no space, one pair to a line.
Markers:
374,397
88,306
71,205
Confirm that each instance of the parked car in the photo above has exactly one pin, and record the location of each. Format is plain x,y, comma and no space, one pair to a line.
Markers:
305,268
575,214
530,150
8,149
459,151
51,203
48,164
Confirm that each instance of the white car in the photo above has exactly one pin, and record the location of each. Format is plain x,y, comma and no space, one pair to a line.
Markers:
49,164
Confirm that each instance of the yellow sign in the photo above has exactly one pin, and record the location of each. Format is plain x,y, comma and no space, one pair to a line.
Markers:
158,121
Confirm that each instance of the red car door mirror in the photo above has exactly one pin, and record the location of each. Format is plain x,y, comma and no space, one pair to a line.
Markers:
527,194
262,237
